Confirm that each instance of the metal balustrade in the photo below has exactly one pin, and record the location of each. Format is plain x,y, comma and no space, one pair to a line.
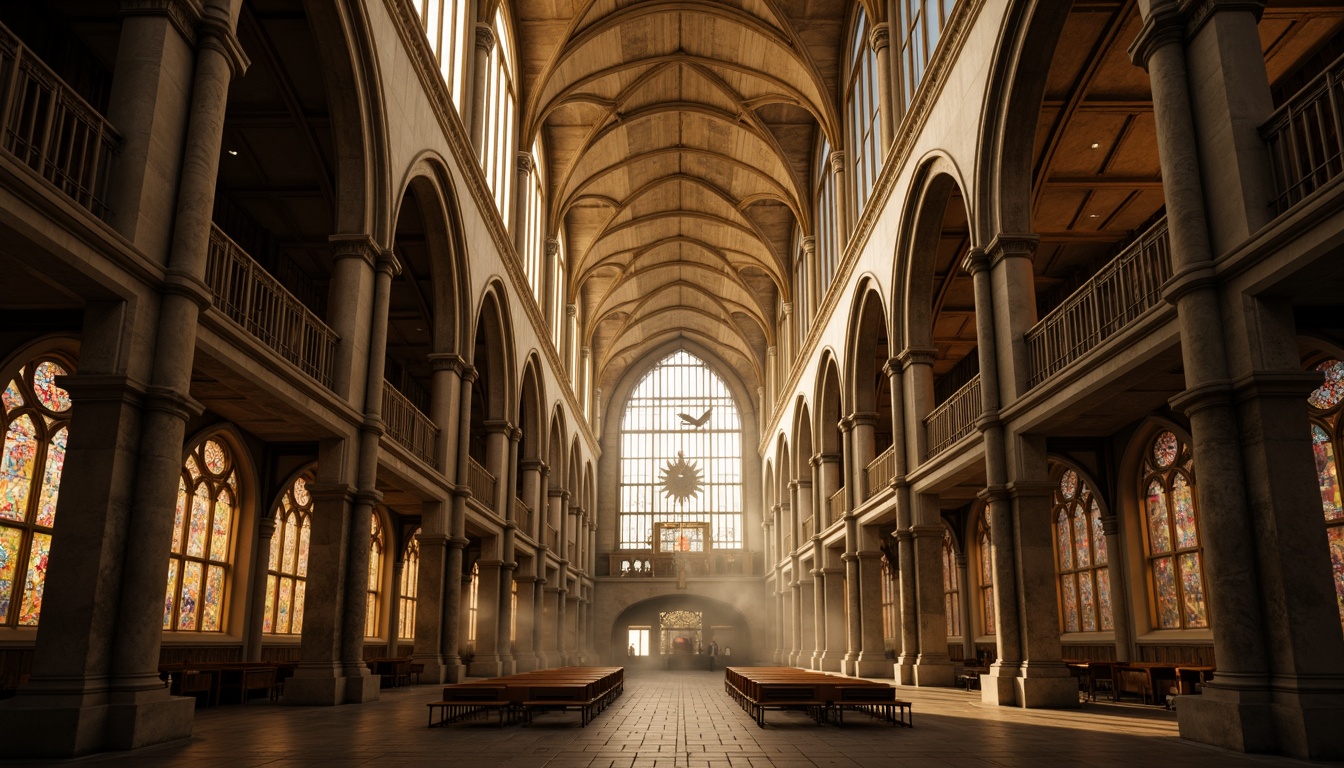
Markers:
522,515
807,531
1129,285
1305,138
954,419
49,128
880,471
249,296
552,538
407,426
481,482
788,543
835,508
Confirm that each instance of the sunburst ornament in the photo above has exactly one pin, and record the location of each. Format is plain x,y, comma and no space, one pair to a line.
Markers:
680,479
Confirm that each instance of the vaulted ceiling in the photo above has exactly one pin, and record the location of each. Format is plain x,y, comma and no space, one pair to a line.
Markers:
679,139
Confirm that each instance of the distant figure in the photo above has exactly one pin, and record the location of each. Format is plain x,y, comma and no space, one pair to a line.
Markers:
632,650
727,653
713,652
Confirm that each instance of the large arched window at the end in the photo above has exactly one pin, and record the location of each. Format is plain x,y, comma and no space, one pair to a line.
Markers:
920,25
1171,530
374,592
498,148
1327,430
200,560
445,25
1080,555
865,127
36,419
681,456
410,586
287,569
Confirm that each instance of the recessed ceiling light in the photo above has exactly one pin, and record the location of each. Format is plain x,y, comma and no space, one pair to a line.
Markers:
1096,145
1092,215
233,152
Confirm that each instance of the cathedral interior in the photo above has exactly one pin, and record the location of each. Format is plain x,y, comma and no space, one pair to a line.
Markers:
941,342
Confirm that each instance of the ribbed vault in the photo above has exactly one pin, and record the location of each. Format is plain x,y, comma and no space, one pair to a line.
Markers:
679,138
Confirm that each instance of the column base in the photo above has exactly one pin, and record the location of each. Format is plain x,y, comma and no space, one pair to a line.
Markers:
486,666
434,669
60,724
1293,716
318,686
831,662
454,673
935,672
362,688
903,671
1048,692
999,686
793,658
872,666
525,663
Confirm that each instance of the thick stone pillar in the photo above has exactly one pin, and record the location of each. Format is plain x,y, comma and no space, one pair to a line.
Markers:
813,269
827,471
394,603
842,222
480,88
260,564
525,655
429,595
559,502
819,616
833,657
933,666
539,648
872,658
968,650
454,670
487,662
808,619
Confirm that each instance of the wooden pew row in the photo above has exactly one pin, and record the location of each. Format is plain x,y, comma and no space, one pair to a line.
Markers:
757,689
518,697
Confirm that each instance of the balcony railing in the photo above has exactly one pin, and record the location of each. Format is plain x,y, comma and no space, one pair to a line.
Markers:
522,515
407,426
49,128
552,538
1124,289
1305,138
788,544
255,300
835,507
954,419
807,530
667,565
481,482
880,471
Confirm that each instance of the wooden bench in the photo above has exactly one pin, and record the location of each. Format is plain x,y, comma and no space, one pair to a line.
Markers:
462,701
519,697
757,689
876,700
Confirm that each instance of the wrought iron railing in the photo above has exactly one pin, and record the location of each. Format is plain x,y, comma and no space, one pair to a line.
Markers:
807,530
788,544
666,565
880,471
954,419
1125,288
255,300
835,507
481,482
1305,138
407,426
522,515
49,128
552,538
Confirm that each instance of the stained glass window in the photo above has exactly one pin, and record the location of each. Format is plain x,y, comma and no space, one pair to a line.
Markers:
1080,555
1172,531
951,587
375,581
1325,413
890,604
986,575
199,562
32,456
287,569
410,581
681,454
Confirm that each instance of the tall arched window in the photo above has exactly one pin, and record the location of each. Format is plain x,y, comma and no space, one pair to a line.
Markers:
473,604
410,582
375,577
1080,556
985,552
37,418
865,129
498,151
198,565
921,24
1325,412
287,570
681,454
445,24
951,587
890,603
1172,531
827,227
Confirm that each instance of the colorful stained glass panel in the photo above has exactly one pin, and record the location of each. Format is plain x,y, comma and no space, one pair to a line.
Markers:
1164,584
188,608
31,606
1331,391
1183,504
219,533
1192,589
303,549
1081,531
989,611
1104,597
1327,472
1062,539
273,563
1165,450
291,543
11,397
301,495
1159,533
16,468
268,621
200,521
52,397
1335,535
213,602
216,461
283,601
180,516
171,594
51,480
1068,484
1068,593
296,624
11,540
1098,536
1087,607
192,468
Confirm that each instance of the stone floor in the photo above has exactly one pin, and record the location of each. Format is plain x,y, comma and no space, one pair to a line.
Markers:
681,719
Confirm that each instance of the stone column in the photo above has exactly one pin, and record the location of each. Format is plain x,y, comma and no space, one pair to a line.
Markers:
551,269
509,558
864,441
968,649
585,388
571,344
813,269
319,678
522,199
394,603
487,662
772,380
525,655
842,222
933,667
786,332
480,89
539,611
1235,709
872,658
1116,565
559,501
429,596
880,39
828,470
260,570
833,657
819,617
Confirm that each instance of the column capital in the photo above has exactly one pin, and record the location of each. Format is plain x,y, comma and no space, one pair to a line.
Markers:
1211,394
448,361
993,493
1164,25
571,310
845,424
266,527
1012,246
102,388
516,435
796,485
809,244
1293,385
354,246
1198,12
918,356
880,36
1031,489
975,261
892,367
343,492
493,426
531,464
189,286
215,31
485,37
558,493
837,161
183,14
525,163
552,246
787,307
168,400
863,418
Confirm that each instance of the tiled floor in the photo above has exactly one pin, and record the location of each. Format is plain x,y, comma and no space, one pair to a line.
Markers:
675,720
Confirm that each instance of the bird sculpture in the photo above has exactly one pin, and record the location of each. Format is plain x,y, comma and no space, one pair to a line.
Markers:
697,423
